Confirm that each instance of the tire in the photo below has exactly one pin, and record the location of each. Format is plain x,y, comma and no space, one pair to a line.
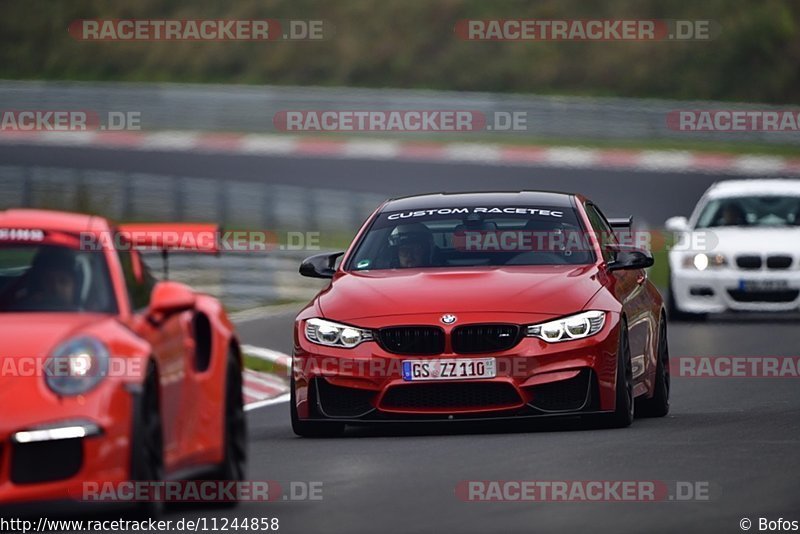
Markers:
624,410
658,404
234,463
675,314
311,429
147,445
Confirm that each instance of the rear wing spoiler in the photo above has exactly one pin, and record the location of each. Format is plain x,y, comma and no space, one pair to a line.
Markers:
621,222
200,238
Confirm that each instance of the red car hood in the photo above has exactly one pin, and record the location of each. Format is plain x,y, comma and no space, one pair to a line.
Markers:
551,289
35,335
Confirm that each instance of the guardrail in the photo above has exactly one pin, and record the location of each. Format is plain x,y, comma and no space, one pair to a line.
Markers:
242,279
129,196
244,108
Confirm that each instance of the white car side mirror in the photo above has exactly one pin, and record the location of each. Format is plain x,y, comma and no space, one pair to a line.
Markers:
677,224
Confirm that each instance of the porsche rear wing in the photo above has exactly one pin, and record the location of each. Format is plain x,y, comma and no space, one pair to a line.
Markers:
202,238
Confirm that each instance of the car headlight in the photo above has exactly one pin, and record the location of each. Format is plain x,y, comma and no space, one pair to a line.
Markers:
77,366
701,261
334,334
568,328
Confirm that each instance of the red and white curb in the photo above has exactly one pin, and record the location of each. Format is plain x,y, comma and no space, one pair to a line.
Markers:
262,389
265,389
439,152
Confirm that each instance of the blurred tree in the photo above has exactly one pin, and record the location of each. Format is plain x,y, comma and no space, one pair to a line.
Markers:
411,44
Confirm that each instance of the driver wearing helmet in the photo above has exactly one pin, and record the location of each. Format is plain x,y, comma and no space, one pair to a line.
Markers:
51,279
414,245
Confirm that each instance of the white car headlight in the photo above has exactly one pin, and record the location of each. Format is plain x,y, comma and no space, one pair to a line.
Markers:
568,328
77,366
701,261
334,334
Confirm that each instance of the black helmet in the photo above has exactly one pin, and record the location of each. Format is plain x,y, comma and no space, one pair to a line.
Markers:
52,258
411,234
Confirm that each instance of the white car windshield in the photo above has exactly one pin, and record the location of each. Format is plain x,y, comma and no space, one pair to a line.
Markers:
751,211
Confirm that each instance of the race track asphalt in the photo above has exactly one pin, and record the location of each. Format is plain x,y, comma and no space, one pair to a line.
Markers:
737,435
649,196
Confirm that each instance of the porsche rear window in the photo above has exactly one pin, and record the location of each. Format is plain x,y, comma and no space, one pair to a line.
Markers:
45,277
474,237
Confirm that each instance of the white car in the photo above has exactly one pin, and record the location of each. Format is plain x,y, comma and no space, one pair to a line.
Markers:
740,250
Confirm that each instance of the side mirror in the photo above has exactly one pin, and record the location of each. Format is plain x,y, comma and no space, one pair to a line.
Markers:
630,258
171,297
320,265
677,224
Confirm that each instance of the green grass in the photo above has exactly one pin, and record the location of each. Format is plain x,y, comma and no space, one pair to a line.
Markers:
263,366
659,272
403,44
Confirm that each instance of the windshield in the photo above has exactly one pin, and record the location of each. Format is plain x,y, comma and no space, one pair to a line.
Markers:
46,277
755,211
473,237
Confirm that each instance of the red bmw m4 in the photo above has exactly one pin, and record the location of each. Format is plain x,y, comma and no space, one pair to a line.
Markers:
481,306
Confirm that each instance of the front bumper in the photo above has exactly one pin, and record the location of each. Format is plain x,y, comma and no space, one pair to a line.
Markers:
533,379
50,446
717,291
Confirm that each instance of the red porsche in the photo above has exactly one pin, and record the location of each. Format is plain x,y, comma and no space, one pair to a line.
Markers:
108,375
451,307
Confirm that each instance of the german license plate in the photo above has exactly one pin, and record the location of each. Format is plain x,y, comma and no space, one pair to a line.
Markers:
763,285
457,369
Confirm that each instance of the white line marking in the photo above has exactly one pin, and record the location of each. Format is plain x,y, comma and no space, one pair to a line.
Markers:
472,152
170,140
267,144
260,395
572,157
265,379
263,312
273,383
267,354
269,402
67,138
662,160
371,149
758,165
